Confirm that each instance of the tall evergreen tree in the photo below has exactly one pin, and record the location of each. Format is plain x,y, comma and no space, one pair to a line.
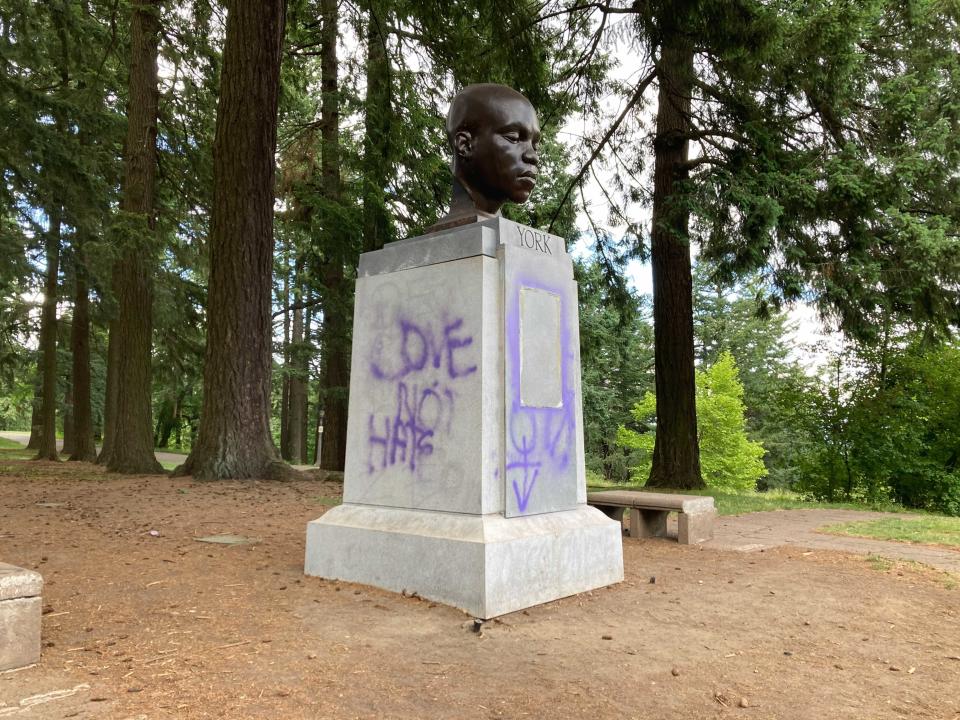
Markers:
335,343
128,435
83,447
47,449
818,143
234,439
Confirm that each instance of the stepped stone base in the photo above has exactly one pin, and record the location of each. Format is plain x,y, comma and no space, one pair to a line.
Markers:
486,565
20,610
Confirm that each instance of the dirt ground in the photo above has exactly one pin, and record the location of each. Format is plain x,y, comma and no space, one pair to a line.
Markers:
158,625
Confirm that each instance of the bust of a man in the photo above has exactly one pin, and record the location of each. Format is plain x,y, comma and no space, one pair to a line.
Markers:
493,133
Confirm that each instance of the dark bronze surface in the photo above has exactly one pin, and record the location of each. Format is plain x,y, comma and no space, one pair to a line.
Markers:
493,132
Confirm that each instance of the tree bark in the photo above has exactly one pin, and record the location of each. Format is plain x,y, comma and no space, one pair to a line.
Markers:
376,141
110,388
234,440
307,349
335,382
83,444
297,397
285,380
131,449
36,428
67,447
676,453
47,449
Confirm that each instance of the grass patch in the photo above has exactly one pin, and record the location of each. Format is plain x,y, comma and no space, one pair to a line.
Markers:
925,530
728,503
879,563
10,450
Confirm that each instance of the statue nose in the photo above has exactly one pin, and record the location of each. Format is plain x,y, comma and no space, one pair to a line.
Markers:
530,155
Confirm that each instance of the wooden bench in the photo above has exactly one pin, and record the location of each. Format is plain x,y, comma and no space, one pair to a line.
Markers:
20,610
649,510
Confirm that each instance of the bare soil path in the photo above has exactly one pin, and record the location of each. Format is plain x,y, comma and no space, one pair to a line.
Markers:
153,625
798,528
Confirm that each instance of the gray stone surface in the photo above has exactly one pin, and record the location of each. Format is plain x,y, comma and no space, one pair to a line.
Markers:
487,565
425,376
20,610
16,582
228,540
648,523
541,362
469,241
664,501
450,440
544,432
695,527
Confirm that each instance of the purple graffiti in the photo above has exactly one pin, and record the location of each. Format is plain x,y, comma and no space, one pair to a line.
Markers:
422,361
408,435
524,443
542,440
419,348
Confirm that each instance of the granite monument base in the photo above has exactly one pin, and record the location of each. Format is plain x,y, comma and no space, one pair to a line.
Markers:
464,478
20,611
486,565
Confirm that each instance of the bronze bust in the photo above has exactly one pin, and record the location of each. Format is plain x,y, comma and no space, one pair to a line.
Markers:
493,133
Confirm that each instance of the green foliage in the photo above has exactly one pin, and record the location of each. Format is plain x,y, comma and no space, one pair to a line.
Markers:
616,355
842,174
731,319
887,424
829,144
729,459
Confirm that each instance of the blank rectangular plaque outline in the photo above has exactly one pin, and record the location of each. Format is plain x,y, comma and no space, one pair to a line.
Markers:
545,388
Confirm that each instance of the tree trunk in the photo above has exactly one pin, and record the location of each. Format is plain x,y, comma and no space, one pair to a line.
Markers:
285,380
47,449
67,447
318,435
83,444
376,141
234,439
131,450
110,388
36,429
305,368
296,437
676,454
335,381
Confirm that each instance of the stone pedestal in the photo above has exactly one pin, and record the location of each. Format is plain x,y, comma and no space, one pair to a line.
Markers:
464,479
20,610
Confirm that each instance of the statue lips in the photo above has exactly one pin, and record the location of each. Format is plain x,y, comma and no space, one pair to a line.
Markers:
526,181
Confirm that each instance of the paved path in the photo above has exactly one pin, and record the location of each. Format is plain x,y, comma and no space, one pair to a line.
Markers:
24,437
760,530
162,456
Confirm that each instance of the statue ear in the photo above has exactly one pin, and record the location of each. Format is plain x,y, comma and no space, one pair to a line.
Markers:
463,144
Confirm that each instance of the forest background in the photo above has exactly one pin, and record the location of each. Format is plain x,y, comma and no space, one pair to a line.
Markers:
808,152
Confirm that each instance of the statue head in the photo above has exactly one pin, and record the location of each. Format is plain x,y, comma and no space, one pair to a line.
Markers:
494,133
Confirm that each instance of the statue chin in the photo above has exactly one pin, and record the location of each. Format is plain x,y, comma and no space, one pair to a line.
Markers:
520,195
